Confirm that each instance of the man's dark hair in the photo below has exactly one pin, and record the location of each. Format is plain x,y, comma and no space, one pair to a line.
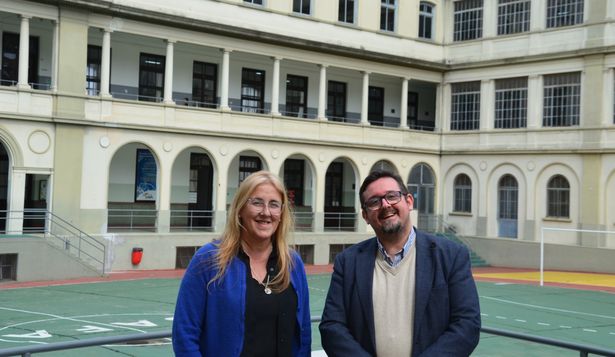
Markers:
378,174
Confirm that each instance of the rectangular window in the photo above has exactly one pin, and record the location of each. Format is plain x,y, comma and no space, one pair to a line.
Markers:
252,90
256,2
346,11
92,71
468,19
387,15
336,101
465,106
562,99
248,165
513,16
375,106
301,6
204,84
296,96
151,77
511,103
426,13
8,267
564,13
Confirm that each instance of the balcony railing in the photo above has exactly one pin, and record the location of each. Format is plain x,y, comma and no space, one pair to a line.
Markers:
192,220
127,219
304,221
340,221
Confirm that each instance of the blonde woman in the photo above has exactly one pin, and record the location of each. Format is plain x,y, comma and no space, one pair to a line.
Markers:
246,294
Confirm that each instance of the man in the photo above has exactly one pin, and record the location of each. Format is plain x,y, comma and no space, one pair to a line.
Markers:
403,292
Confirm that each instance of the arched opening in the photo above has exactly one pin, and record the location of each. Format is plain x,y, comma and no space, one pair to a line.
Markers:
299,178
192,191
340,194
508,202
133,189
422,186
4,187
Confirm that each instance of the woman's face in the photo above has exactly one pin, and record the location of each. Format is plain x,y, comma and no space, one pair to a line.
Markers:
260,216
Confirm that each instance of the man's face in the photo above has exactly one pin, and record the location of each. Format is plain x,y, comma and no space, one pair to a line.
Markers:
388,220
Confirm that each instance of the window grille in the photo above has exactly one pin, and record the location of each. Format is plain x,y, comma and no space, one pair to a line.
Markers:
465,106
336,101
564,13
252,90
426,14
468,18
511,103
463,193
513,16
387,15
256,2
562,99
558,197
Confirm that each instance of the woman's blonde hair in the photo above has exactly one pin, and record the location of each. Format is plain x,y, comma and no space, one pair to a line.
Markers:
230,243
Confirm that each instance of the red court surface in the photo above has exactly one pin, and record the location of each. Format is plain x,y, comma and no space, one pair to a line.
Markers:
492,274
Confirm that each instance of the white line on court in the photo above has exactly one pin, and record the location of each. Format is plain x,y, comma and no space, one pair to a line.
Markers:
543,324
563,326
58,317
486,315
501,317
589,330
519,320
548,308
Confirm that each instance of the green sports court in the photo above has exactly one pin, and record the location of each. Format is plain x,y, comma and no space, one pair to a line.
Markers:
570,310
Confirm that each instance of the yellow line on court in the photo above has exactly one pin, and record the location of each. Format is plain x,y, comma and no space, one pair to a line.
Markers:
556,277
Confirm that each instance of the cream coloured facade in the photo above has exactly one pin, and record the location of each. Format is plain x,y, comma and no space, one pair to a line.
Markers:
499,118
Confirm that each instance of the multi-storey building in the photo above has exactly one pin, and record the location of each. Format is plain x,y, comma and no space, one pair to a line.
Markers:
135,121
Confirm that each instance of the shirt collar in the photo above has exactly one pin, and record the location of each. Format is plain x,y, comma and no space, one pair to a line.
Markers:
397,257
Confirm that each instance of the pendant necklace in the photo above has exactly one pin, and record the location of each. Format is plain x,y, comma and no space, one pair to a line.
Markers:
267,289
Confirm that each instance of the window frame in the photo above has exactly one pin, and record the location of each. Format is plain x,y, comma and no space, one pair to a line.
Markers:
462,194
511,103
516,20
375,106
463,119
554,19
299,7
334,107
343,9
388,13
561,101
257,85
423,17
208,98
558,198
248,165
464,18
254,2
93,70
158,72
290,105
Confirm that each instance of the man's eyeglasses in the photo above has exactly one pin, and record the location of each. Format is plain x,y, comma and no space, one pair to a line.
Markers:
375,202
258,204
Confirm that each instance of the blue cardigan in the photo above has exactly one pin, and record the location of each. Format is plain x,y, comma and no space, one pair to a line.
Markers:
209,321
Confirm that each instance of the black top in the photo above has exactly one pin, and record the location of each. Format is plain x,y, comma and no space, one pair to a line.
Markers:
270,321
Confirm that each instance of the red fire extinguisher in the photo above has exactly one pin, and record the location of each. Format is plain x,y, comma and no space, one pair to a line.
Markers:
137,255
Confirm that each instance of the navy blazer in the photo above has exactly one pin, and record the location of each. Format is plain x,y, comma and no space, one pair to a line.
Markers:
446,309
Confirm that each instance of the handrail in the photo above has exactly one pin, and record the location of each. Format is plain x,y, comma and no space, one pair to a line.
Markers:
584,350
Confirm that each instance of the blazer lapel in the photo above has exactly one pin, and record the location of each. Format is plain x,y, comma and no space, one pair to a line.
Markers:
424,277
364,278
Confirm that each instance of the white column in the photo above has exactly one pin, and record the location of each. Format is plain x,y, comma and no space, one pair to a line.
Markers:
224,80
403,108
275,87
168,74
534,102
490,18
487,104
322,93
538,15
446,110
24,52
54,56
439,111
14,223
607,104
105,64
365,99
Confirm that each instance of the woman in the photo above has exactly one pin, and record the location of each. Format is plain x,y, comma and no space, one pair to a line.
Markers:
246,294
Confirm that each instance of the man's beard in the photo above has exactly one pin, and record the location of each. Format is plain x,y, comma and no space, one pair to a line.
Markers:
390,228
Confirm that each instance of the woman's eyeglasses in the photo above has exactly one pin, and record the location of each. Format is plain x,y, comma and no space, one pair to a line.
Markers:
374,203
258,204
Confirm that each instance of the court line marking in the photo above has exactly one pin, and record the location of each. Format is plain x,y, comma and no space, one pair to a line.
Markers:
548,308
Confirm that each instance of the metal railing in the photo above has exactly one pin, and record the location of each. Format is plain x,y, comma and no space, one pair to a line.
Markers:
27,351
129,219
304,221
57,231
340,221
192,220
